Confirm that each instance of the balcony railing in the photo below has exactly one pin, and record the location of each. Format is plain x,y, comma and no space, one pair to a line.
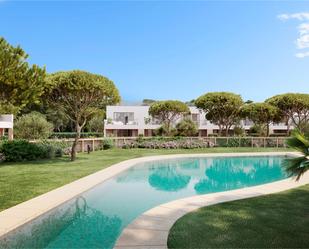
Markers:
118,122
6,118
6,121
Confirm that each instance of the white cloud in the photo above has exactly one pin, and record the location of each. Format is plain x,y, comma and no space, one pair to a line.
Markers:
303,39
302,42
301,16
302,55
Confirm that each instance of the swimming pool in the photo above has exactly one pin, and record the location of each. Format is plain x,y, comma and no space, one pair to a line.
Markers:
96,218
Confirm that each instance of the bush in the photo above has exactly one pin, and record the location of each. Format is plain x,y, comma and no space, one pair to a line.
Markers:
55,148
22,150
233,142
164,144
221,142
164,131
32,126
238,142
107,144
186,128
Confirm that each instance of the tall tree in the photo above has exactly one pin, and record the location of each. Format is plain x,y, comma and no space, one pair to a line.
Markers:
20,83
147,102
262,114
294,106
80,95
168,112
221,108
57,117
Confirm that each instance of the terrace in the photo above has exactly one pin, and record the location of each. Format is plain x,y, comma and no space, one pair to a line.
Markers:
6,125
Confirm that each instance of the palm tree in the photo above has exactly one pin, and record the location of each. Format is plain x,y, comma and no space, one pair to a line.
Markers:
299,165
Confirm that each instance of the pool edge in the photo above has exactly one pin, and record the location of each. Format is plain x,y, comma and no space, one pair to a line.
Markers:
23,213
151,229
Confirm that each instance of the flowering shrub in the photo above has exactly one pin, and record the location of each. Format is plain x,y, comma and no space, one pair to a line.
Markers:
161,144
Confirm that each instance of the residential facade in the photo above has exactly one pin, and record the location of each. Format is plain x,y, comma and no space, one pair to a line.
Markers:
132,121
6,125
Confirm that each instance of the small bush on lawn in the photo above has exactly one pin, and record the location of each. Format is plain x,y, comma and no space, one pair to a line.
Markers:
22,150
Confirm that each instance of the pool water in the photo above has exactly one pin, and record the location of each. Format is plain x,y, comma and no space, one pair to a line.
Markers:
97,217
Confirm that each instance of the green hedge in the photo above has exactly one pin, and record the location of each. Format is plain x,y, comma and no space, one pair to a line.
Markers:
22,150
72,134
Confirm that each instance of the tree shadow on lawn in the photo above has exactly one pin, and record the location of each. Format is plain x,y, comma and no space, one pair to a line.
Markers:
53,161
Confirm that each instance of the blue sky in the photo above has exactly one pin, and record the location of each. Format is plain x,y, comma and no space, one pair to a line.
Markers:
171,49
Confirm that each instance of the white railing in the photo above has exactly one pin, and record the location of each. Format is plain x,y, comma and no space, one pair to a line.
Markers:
6,121
120,123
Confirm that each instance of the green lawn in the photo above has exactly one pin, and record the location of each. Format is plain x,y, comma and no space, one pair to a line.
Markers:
22,181
272,221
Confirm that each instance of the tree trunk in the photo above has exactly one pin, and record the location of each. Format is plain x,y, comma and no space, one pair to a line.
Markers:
226,131
168,129
267,130
75,143
288,127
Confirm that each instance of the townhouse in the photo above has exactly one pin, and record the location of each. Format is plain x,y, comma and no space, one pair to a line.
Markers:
132,121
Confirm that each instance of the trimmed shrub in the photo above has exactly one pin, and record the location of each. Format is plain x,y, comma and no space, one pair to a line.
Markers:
32,126
22,150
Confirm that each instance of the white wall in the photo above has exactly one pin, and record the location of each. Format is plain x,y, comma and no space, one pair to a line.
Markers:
6,121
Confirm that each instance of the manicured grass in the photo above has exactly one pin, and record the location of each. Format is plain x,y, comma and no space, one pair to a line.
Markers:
272,221
22,181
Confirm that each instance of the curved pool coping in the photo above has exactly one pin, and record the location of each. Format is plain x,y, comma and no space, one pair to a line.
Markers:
23,213
150,230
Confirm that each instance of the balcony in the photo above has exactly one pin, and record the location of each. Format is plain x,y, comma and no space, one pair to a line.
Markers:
6,121
120,123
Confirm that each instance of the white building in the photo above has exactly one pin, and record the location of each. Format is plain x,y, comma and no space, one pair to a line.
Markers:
131,121
6,124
